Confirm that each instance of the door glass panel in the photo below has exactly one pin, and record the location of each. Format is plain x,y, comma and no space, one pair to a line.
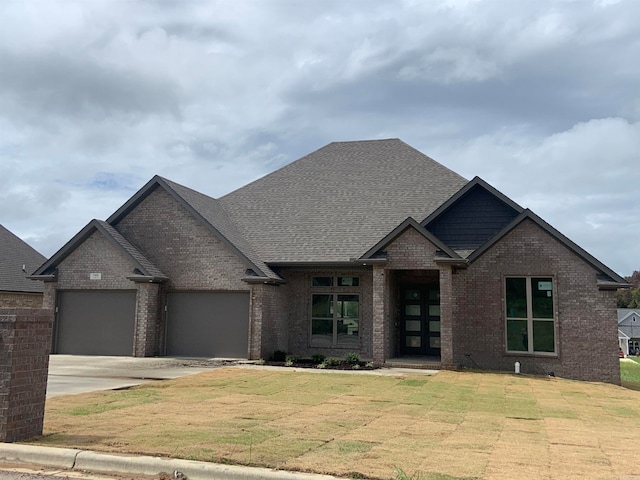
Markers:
434,342
413,341
412,325
517,336
434,325
412,310
412,294
434,310
434,294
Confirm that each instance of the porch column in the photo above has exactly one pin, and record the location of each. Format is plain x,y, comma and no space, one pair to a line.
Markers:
446,317
256,316
380,314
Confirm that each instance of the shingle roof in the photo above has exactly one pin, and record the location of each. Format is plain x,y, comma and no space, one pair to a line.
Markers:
145,267
339,201
14,253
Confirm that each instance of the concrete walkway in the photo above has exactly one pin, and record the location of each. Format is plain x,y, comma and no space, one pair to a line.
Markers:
71,459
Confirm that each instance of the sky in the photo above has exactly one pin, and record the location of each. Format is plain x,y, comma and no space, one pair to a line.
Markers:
539,98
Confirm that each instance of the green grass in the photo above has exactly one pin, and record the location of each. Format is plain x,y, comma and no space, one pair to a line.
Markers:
454,425
630,373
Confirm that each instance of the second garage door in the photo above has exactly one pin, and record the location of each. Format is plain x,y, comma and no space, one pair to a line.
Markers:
207,324
95,322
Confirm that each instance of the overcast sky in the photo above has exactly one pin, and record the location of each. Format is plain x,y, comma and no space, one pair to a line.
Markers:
539,98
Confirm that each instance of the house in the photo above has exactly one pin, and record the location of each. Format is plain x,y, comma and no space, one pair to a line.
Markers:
17,259
629,327
368,247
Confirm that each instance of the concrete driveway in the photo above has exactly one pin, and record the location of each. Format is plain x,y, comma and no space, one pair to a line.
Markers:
71,374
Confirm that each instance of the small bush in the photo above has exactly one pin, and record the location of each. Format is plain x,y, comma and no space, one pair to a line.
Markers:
321,365
352,358
290,360
370,365
318,358
333,362
260,362
355,366
279,356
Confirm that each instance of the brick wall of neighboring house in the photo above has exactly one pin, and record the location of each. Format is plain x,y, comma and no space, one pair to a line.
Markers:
586,317
298,304
181,246
25,344
20,300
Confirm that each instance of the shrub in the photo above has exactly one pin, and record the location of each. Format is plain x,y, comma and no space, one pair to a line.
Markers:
290,360
318,358
352,358
321,365
333,362
279,356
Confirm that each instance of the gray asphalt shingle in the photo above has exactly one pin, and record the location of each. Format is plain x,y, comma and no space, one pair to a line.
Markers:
14,253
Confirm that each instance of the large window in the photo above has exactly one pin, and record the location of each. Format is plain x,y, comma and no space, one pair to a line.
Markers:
530,315
335,315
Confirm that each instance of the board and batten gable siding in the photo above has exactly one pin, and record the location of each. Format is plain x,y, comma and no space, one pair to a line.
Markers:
586,317
181,246
472,220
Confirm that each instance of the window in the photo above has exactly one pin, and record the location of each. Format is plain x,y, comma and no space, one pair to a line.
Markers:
530,315
335,313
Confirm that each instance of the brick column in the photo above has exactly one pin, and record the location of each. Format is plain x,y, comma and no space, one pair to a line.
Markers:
446,317
256,316
380,314
147,339
25,344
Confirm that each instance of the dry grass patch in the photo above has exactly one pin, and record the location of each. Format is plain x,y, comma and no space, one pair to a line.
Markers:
455,425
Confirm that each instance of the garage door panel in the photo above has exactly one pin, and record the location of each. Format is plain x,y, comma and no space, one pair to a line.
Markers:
95,323
207,324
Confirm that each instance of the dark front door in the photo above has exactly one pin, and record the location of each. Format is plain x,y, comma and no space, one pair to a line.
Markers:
420,320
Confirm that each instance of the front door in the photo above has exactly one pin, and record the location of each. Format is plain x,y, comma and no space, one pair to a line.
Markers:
420,320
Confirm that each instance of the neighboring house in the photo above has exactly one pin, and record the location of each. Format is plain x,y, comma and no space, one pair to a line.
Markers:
629,326
17,260
367,247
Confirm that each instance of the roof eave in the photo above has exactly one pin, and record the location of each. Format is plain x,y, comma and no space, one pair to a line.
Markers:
147,279
251,280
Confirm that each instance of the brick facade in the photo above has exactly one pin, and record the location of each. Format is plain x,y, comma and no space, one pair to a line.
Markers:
20,300
25,341
586,317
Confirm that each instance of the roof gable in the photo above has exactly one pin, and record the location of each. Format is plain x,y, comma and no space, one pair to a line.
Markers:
206,209
607,278
472,216
333,204
17,258
629,316
143,266
375,251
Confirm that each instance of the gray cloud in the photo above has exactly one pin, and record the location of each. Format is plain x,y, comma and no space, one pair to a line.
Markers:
538,98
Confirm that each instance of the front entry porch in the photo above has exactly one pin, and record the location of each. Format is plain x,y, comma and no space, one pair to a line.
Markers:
422,362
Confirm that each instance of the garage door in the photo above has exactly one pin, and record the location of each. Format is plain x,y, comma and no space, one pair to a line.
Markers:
207,324
95,323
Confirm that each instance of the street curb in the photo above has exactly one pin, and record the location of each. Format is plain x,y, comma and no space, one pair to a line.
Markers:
144,465
47,456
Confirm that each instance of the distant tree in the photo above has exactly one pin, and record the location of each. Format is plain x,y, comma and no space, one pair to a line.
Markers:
630,297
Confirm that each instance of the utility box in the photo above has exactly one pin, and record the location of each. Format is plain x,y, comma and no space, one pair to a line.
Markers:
25,344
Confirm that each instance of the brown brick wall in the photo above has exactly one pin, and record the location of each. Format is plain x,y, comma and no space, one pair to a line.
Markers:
147,336
25,343
177,243
20,300
586,317
298,307
269,326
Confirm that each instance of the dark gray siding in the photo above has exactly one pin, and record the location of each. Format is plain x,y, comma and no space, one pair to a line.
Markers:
472,220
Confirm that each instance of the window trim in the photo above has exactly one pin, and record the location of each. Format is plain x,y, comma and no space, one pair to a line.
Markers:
530,319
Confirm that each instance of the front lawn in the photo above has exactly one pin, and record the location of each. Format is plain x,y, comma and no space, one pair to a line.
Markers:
630,372
454,425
